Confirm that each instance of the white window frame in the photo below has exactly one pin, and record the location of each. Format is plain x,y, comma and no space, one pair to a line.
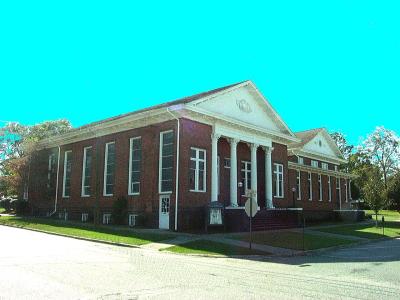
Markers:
329,189
310,187
26,191
314,163
298,184
347,190
85,217
132,220
106,170
247,172
324,166
130,166
278,170
339,189
84,172
336,168
107,219
197,161
301,160
227,162
160,167
65,173
49,169
321,196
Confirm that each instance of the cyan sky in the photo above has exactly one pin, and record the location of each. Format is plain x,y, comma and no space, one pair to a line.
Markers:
320,63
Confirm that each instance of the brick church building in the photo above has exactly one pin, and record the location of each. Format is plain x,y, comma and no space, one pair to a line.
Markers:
173,160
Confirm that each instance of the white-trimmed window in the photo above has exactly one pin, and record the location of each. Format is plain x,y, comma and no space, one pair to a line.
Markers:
246,175
86,171
298,184
278,178
301,160
132,220
309,184
109,169
324,166
26,191
336,168
329,189
85,217
51,169
166,161
319,187
347,190
227,163
338,191
197,177
314,163
67,173
135,158
106,219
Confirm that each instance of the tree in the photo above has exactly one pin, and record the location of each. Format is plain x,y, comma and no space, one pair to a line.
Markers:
374,192
394,190
342,144
17,143
382,148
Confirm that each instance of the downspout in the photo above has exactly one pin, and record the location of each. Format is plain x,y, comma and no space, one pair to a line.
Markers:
177,168
58,171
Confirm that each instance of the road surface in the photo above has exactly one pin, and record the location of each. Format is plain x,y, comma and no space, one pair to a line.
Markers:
35,265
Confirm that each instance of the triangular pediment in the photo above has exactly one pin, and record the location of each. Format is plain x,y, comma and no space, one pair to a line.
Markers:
322,144
245,104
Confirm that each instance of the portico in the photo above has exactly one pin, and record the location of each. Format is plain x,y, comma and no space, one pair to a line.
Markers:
254,143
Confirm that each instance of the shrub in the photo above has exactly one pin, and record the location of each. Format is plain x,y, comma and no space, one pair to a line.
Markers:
119,213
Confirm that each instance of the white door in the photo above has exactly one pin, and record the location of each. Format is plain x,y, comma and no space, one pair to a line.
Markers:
164,212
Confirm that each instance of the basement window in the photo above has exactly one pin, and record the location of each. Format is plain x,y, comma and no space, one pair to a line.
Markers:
85,217
132,220
106,219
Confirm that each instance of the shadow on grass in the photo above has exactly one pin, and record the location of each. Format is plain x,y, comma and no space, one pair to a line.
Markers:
87,230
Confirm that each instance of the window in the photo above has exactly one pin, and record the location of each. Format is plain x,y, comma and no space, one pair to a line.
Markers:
336,168
106,219
85,217
329,189
246,175
67,173
298,185
309,184
346,189
135,157
51,170
301,160
278,175
166,161
338,196
132,220
324,166
314,163
197,176
26,191
218,175
109,169
86,171
227,162
319,187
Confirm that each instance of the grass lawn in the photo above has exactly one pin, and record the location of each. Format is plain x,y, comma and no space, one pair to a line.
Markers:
390,215
213,248
292,240
369,231
2,210
102,233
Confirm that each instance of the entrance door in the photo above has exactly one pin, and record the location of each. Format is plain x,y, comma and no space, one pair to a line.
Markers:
164,212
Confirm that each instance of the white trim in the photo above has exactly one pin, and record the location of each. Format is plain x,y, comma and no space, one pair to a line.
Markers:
339,189
314,163
197,161
106,218
277,172
347,190
106,170
65,173
298,184
130,193
329,189
132,220
307,168
84,217
246,170
317,156
84,171
160,162
321,196
310,187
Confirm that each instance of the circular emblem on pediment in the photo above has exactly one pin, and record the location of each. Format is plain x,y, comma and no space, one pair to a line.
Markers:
243,105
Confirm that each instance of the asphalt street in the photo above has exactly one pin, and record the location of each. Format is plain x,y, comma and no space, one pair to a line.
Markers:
35,265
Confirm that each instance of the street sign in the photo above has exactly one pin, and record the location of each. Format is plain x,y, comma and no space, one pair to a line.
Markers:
253,207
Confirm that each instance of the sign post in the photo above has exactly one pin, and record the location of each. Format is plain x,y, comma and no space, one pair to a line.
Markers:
251,209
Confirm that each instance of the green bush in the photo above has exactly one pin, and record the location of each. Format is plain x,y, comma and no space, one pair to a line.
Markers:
119,213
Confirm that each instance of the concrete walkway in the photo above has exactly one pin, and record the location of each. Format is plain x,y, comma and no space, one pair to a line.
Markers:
179,240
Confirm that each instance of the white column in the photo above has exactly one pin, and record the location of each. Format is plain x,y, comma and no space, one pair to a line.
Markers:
214,171
268,177
253,148
233,174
